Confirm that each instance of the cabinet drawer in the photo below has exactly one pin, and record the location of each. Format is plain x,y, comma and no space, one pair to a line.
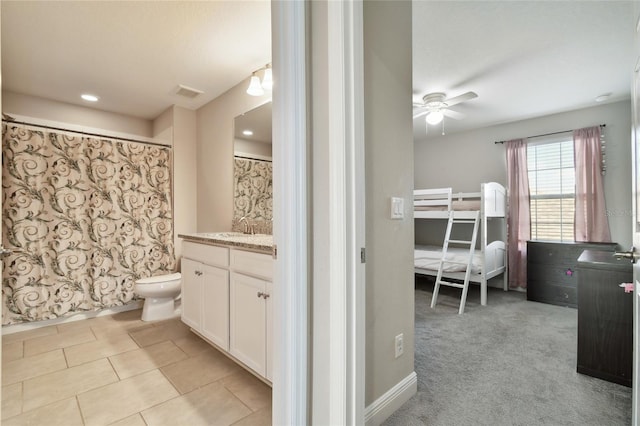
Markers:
552,294
210,255
554,253
562,275
254,264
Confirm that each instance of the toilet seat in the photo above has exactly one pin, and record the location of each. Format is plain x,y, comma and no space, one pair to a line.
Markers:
159,278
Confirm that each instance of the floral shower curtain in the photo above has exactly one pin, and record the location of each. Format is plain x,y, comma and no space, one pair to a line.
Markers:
88,215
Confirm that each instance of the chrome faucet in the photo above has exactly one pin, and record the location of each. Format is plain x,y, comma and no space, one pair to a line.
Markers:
248,229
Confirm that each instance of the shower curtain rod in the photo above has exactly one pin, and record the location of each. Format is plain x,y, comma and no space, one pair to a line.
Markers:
8,119
548,134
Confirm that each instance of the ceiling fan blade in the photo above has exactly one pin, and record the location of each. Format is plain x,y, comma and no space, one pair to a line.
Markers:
464,97
420,114
453,114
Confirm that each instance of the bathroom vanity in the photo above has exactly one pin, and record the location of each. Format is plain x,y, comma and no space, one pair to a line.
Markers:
226,294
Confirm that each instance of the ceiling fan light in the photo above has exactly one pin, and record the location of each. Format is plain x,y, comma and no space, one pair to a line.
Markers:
255,89
434,117
267,79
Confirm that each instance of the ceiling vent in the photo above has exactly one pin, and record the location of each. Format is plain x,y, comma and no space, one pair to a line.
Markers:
188,92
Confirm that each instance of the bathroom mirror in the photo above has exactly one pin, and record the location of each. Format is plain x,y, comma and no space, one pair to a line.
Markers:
252,169
252,133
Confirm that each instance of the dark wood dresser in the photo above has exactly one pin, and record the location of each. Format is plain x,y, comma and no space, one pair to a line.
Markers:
552,270
605,317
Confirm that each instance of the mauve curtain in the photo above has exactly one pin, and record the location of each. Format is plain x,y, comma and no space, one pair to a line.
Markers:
92,216
519,219
591,223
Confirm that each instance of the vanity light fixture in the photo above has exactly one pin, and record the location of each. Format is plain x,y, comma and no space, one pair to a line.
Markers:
256,88
90,98
247,132
267,78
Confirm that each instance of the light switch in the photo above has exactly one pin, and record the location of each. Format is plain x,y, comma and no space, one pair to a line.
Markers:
397,208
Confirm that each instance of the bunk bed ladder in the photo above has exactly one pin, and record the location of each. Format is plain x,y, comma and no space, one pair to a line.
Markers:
465,243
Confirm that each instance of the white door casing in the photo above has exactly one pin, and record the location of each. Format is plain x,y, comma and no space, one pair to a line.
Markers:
293,178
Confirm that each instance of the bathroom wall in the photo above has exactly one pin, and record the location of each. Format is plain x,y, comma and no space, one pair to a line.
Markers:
177,125
215,155
32,106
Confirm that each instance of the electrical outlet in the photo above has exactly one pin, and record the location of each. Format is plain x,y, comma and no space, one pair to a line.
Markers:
399,345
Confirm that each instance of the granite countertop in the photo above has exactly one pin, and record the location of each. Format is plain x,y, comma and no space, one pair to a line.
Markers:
256,242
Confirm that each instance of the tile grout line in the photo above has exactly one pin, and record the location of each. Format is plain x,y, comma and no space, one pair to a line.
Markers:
80,410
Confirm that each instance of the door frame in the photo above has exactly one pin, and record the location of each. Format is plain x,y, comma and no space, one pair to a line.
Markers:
297,399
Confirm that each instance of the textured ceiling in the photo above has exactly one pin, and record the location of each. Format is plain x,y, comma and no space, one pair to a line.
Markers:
133,54
524,59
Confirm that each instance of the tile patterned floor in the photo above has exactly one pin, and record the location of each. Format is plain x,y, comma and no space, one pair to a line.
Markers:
118,370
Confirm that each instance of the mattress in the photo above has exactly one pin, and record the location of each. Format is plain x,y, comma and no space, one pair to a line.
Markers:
460,205
428,257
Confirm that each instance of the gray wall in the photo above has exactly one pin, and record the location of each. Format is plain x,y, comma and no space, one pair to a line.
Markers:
464,160
388,163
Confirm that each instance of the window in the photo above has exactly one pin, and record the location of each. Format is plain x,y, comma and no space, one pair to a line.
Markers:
552,183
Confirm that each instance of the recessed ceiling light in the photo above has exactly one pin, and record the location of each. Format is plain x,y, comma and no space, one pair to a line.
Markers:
603,97
247,132
89,98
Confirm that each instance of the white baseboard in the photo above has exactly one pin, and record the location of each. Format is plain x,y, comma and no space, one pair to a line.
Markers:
387,404
15,328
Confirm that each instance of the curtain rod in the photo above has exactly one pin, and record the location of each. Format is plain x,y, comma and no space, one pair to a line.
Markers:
13,121
548,134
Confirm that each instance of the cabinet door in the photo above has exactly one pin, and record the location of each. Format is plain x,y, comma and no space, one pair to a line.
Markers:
247,321
215,313
192,293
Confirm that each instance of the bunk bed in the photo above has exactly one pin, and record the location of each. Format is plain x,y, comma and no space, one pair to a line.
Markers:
489,258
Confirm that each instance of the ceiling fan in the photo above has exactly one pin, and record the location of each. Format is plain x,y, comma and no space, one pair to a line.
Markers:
436,106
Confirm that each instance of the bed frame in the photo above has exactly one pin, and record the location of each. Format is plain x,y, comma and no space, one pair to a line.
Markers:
492,203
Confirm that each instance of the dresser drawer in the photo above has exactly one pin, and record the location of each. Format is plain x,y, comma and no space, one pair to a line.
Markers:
552,294
209,255
258,265
553,274
554,253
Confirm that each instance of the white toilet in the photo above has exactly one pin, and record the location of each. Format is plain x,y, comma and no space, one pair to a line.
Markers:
160,294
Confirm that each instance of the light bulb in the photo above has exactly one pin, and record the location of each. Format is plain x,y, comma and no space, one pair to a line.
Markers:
267,79
434,117
89,97
255,89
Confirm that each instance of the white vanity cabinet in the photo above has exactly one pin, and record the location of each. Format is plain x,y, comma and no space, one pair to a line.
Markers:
191,293
226,298
250,310
205,291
